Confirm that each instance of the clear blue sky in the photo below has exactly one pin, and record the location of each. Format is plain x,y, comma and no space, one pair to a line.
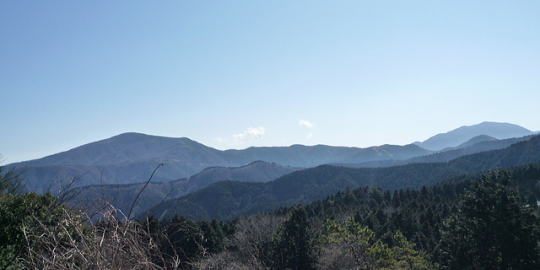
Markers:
232,74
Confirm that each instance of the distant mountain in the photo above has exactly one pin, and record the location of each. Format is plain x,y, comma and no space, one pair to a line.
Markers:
461,135
132,147
229,199
122,159
475,145
96,197
309,156
130,157
482,145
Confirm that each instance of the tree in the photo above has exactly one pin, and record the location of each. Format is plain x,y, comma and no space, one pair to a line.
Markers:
356,240
253,239
405,256
250,246
491,229
350,245
295,246
213,236
183,239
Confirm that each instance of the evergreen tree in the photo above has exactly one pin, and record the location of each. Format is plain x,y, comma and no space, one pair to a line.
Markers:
405,256
368,252
295,247
213,236
183,239
492,229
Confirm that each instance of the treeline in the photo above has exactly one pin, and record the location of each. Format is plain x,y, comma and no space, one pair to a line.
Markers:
356,228
419,214
472,222
488,221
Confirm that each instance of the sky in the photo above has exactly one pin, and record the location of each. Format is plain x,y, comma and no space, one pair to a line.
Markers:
233,74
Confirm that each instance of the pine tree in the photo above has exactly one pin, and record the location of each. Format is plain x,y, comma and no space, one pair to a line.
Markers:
492,229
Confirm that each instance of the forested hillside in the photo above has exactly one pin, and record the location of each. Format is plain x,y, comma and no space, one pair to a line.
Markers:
226,200
94,198
440,227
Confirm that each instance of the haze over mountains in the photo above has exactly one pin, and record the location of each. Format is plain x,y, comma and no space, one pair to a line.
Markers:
228,199
130,157
475,140
475,145
460,135
96,197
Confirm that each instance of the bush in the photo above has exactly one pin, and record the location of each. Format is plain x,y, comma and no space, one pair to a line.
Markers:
20,213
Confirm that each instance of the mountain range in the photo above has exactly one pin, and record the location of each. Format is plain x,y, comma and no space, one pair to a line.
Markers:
129,158
230,199
120,196
112,171
477,144
96,197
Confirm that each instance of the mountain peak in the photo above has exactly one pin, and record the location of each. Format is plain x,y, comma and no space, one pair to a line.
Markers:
142,136
123,148
463,134
130,134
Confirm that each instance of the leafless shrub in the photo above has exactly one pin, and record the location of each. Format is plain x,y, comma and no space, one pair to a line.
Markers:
336,257
110,244
253,239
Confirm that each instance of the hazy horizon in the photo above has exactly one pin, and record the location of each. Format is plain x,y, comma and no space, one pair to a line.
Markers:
260,73
3,161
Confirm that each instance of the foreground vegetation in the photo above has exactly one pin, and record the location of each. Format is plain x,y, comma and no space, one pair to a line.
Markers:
473,222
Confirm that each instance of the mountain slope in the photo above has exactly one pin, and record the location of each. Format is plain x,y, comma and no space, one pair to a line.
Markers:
130,157
460,135
483,146
229,199
257,171
416,208
95,197
132,147
476,140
